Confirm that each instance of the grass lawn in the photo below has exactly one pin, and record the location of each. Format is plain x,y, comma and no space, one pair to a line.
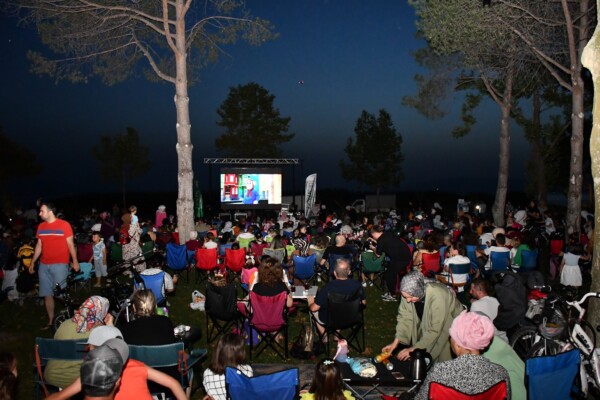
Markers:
19,325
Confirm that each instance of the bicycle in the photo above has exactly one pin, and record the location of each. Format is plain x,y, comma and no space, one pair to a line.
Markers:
63,295
561,331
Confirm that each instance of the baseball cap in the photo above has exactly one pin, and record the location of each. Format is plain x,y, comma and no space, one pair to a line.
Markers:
120,346
100,371
100,334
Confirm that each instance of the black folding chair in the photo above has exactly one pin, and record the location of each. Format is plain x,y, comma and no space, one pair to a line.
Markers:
221,309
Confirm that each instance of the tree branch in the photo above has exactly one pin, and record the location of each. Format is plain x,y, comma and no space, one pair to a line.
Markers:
167,28
152,62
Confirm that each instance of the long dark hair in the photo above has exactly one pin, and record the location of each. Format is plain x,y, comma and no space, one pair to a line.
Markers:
229,352
8,380
327,383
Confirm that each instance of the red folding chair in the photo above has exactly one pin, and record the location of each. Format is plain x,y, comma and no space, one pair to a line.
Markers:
267,315
234,261
206,262
257,249
431,264
443,392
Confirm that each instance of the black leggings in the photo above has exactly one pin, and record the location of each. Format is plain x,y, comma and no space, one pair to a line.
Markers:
391,276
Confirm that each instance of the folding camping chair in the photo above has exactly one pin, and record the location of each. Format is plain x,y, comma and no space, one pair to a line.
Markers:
234,261
529,260
83,279
438,391
431,264
206,262
177,259
267,315
499,262
221,309
257,249
53,349
169,355
282,385
155,283
372,268
345,314
304,268
278,254
552,377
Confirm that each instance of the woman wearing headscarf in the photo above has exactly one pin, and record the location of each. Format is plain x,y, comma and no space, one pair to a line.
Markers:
469,372
93,312
132,248
425,314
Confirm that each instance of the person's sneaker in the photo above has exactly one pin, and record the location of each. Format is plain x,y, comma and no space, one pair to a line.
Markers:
364,284
387,297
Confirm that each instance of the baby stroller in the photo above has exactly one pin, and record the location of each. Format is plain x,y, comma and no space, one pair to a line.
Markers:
17,281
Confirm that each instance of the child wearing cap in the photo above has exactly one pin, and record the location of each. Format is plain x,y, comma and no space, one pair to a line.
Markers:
135,374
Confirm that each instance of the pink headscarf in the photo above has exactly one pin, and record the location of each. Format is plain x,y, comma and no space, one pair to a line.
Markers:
472,331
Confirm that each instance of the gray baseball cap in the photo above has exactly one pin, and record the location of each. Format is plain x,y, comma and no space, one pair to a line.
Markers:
100,334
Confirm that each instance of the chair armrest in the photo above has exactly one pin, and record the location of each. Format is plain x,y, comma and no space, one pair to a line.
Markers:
194,356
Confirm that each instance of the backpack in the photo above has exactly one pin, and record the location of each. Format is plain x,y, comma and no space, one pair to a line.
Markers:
124,237
25,255
306,346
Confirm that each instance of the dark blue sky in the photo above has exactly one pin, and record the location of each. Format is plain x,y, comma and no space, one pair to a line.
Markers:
352,55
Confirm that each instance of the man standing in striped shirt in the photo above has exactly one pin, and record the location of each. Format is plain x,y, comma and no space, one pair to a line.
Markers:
54,248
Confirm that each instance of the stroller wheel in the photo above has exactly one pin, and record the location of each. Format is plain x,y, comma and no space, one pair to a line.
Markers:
59,319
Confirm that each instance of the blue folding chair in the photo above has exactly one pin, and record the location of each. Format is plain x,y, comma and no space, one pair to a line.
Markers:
304,268
529,259
177,259
282,385
83,279
223,248
154,283
552,377
499,262
471,253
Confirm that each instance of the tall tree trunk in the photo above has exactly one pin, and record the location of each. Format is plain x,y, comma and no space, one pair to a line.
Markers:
591,60
576,46
504,154
185,172
536,152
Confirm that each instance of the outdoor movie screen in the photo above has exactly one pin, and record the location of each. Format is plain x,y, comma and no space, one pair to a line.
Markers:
250,188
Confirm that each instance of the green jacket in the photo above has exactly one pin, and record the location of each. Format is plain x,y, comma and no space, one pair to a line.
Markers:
500,352
431,333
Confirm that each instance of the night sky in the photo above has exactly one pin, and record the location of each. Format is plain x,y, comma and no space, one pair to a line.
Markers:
352,55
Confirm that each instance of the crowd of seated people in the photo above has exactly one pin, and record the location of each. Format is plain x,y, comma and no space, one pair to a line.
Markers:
347,234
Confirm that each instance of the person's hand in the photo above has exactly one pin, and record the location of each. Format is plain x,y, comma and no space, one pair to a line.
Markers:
389,348
207,397
31,269
75,265
109,319
405,354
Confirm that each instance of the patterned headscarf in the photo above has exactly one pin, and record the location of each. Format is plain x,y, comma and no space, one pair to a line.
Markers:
93,310
413,283
472,331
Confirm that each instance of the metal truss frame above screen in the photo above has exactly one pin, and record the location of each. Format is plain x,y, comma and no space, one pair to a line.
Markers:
255,161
